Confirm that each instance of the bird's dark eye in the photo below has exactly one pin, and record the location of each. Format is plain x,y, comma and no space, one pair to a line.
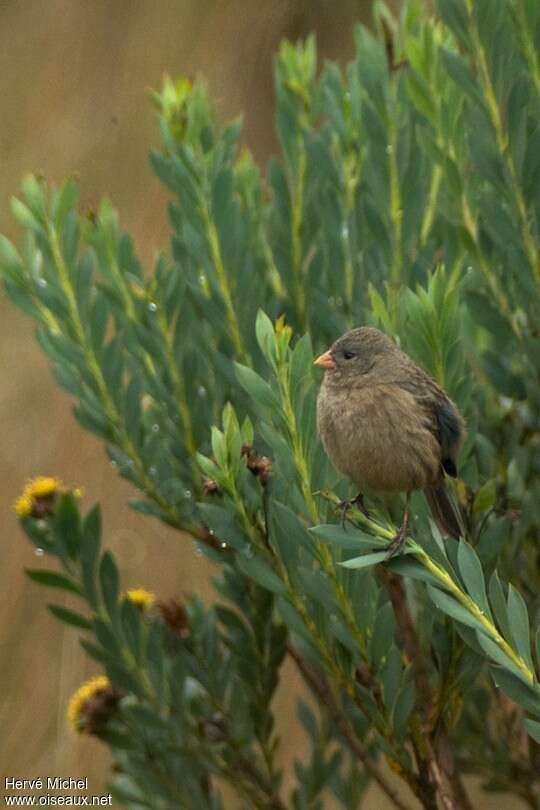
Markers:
348,355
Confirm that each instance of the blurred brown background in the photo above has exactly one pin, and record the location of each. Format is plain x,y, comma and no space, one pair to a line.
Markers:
73,82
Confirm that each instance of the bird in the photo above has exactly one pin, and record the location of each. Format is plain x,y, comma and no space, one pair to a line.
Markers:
388,426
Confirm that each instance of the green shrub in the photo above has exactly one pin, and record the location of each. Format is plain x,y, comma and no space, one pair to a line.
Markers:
406,196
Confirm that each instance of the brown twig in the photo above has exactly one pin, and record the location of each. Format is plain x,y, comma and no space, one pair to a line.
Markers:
445,779
319,686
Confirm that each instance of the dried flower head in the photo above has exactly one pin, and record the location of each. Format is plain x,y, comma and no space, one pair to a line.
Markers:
140,597
175,617
210,487
260,466
92,705
38,497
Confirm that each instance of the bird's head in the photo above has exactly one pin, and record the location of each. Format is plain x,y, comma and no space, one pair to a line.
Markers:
357,355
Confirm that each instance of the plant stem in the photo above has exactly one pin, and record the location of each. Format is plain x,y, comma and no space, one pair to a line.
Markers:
503,142
450,585
109,406
296,240
322,690
224,286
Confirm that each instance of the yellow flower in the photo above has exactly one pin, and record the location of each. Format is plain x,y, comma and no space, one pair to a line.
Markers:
140,597
41,487
38,497
98,685
23,506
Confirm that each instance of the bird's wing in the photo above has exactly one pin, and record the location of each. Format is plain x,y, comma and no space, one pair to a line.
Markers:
441,418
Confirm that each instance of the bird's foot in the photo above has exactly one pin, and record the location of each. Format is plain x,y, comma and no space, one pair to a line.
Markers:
344,506
397,544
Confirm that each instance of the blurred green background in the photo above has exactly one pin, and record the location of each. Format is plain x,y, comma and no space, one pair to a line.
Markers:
73,81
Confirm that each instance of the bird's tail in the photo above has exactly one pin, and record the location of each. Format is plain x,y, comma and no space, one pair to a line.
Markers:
443,511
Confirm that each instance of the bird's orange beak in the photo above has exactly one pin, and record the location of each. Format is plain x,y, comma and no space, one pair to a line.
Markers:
325,360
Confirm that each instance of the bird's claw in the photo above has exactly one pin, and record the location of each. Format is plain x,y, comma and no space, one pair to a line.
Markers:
344,506
397,544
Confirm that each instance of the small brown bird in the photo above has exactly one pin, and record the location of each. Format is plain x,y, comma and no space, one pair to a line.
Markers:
388,426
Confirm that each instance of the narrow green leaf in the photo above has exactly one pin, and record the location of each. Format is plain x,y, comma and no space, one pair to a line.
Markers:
67,525
24,216
485,497
257,388
348,538
366,560
517,689
109,582
496,654
64,202
403,708
260,571
92,650
265,337
53,580
301,365
70,617
453,608
498,604
470,569
518,619
407,566
91,539
533,729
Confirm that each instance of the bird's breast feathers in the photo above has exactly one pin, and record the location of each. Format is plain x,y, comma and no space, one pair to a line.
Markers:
379,437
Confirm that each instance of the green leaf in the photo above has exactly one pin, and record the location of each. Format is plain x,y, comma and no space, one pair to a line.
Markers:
260,571
91,540
53,580
109,583
517,690
453,608
533,729
485,497
218,447
459,71
265,337
223,525
366,560
498,604
70,617
257,388
497,654
470,569
24,216
383,634
64,202
407,566
349,539
130,616
10,261
67,525
301,365
403,708
518,619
